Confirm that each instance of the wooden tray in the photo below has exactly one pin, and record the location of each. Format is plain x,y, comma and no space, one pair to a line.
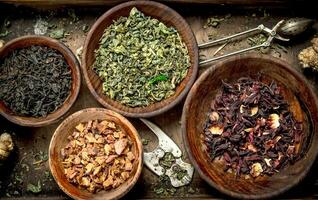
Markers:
24,168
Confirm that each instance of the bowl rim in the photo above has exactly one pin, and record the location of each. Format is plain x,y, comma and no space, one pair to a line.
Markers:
27,122
185,113
159,110
106,112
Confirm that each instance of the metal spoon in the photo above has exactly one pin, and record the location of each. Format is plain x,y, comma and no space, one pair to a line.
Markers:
289,28
294,26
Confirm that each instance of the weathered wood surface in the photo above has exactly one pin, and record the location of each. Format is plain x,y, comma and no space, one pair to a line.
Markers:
32,140
35,3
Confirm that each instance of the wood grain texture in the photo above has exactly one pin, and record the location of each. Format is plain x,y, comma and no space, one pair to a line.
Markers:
297,92
59,141
162,13
37,139
72,62
45,3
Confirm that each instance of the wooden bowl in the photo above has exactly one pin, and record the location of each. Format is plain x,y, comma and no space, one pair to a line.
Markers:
303,103
59,141
72,62
160,12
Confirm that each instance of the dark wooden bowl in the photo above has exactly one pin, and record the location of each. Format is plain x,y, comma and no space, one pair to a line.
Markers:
59,141
72,62
160,12
303,103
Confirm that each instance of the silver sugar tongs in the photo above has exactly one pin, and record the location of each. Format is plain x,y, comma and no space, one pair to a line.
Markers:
261,28
165,145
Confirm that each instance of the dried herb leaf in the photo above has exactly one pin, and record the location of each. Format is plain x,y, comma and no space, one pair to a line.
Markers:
34,188
140,60
167,160
178,172
34,81
163,187
259,133
57,34
5,33
158,78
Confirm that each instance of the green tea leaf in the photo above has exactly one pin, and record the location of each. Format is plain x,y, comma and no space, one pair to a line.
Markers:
34,188
140,60
5,33
158,78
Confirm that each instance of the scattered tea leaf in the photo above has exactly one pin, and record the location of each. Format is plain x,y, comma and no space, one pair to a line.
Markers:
5,33
144,141
85,28
57,34
178,172
163,187
167,160
34,188
71,13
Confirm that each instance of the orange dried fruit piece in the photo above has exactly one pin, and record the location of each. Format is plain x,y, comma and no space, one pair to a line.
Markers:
120,145
130,156
109,182
80,127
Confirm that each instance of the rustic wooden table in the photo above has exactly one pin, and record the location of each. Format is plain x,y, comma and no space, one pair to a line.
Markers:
30,142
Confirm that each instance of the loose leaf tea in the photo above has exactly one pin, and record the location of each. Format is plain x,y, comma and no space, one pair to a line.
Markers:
140,60
34,81
167,160
251,128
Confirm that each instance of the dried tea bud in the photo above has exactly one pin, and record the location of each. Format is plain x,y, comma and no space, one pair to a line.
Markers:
268,161
252,148
214,116
274,121
242,108
216,130
254,111
256,169
248,130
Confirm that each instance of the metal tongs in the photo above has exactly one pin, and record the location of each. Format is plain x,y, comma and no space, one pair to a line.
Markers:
272,33
166,144
290,28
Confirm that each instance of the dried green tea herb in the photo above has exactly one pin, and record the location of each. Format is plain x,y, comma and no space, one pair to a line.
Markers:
167,160
178,172
140,60
257,39
163,187
4,33
34,188
215,21
58,34
34,81
144,141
